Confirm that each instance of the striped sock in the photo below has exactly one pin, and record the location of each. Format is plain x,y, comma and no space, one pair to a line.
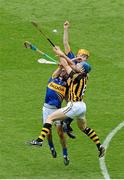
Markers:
45,130
93,136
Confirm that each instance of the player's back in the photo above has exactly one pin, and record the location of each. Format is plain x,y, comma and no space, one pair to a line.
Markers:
77,86
55,92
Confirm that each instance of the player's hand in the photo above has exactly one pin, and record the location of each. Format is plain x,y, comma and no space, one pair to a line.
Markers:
79,68
63,62
66,24
79,59
60,65
58,51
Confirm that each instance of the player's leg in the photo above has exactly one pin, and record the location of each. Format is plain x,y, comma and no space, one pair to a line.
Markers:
46,111
58,114
67,127
71,110
62,141
51,144
82,125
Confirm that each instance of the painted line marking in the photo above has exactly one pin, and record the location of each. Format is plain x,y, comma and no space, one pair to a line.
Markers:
106,145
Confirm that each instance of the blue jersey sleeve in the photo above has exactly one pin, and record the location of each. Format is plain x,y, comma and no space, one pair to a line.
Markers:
71,55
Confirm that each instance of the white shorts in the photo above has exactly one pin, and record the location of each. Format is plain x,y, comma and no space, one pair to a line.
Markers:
75,109
47,110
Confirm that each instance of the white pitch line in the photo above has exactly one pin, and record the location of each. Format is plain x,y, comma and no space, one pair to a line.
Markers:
106,144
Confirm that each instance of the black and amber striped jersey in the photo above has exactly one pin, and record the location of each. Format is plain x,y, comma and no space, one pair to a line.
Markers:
76,86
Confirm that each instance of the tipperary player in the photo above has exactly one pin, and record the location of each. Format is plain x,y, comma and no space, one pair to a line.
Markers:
55,93
75,106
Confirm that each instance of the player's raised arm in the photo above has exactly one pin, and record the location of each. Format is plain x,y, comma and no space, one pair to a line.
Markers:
59,52
57,72
65,64
65,37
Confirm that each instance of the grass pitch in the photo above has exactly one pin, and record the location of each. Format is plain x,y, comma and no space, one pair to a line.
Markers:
95,25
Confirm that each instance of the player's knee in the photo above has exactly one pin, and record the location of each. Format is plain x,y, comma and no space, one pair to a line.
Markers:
49,119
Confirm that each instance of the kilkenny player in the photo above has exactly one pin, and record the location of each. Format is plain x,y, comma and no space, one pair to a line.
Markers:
75,106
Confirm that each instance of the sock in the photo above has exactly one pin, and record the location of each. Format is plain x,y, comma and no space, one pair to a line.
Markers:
93,136
66,125
68,120
45,130
65,152
50,144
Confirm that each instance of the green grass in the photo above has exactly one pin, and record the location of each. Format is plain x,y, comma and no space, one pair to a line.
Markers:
95,25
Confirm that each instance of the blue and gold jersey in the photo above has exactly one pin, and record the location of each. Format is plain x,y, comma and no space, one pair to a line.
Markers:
71,56
55,92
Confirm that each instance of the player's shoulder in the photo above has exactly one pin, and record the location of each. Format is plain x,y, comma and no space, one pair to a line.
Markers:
70,54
